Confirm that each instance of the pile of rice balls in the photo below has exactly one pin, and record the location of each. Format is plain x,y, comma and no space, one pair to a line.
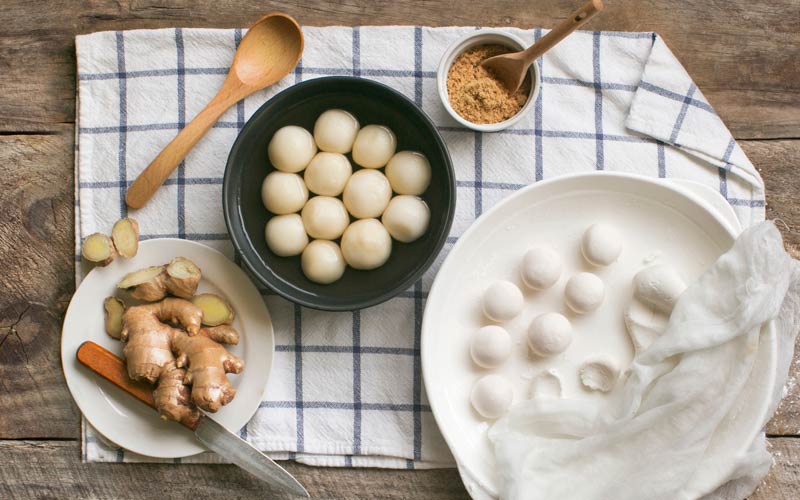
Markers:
318,197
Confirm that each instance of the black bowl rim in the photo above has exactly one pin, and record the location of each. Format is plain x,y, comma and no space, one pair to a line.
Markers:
237,232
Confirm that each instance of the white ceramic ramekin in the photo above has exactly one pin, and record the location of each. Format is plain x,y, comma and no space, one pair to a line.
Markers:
468,41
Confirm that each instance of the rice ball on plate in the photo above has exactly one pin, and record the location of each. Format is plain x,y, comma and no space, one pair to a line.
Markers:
366,244
549,334
584,292
374,146
325,217
285,234
406,218
328,173
490,346
541,267
335,131
322,262
283,193
367,194
601,244
491,396
502,301
409,172
291,149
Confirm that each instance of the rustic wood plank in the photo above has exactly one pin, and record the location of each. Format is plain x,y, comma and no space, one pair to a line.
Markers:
741,53
52,469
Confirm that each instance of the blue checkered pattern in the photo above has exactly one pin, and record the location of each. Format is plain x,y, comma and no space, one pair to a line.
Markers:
346,388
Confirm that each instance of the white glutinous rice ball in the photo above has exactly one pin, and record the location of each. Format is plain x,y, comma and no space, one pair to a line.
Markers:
327,174
502,301
549,334
599,373
325,217
584,292
285,234
541,267
490,346
374,146
322,262
367,194
406,218
366,244
283,193
291,149
491,396
601,244
546,385
409,173
658,286
335,131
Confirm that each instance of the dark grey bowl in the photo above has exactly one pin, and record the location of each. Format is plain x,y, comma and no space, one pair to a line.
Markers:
245,215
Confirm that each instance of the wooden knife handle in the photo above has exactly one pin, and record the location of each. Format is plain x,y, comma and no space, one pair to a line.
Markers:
104,363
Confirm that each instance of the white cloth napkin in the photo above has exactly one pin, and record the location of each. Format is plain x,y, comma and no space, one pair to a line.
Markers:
680,391
346,388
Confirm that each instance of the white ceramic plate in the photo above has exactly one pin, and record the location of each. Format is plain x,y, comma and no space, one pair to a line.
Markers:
126,421
659,223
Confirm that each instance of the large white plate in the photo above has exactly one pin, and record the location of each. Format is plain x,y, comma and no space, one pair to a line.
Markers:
659,222
126,421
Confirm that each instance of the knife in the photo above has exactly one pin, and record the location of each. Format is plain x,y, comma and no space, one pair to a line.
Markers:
214,436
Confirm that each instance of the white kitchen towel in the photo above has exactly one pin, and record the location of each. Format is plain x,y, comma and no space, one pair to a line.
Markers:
346,388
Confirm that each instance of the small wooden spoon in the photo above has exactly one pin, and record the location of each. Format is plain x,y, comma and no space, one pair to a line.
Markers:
512,68
267,53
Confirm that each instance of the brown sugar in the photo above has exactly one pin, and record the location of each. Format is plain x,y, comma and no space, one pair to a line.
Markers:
476,95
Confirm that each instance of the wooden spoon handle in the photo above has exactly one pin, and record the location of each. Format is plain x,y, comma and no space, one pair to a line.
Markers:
104,363
170,157
572,23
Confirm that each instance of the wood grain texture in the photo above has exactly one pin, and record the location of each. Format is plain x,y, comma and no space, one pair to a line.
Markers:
741,53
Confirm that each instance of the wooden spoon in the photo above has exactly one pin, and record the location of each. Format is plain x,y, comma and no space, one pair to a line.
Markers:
512,68
267,53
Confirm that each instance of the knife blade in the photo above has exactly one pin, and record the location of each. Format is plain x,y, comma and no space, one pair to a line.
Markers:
210,433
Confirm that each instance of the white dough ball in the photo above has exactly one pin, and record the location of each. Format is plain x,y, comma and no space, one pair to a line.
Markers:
409,172
546,385
549,334
658,286
322,262
599,373
584,292
286,235
490,346
366,244
374,146
291,149
502,301
406,218
541,267
327,174
325,217
335,131
491,396
601,244
367,194
283,193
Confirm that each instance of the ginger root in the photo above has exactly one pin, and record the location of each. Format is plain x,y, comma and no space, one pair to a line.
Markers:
216,310
173,398
114,309
179,278
125,235
98,248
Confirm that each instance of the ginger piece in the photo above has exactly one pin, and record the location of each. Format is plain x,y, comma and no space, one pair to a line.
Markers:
125,235
99,249
216,310
207,363
114,309
173,398
148,338
179,278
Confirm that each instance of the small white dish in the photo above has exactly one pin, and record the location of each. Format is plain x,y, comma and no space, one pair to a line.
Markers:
468,41
556,212
123,419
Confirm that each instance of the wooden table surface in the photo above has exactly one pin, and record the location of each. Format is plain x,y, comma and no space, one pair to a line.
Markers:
742,54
